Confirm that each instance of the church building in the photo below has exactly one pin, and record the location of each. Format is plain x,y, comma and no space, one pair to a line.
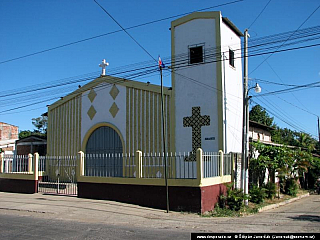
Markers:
202,109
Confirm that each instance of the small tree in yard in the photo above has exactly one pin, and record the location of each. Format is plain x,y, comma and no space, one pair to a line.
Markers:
41,124
296,165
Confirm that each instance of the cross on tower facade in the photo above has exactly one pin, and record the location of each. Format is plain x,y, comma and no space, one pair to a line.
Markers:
103,66
196,121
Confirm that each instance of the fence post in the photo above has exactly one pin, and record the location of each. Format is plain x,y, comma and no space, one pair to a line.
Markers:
233,169
1,162
36,166
199,158
30,163
221,158
138,163
80,160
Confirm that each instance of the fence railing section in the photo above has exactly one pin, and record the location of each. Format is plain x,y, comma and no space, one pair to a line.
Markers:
106,165
17,163
227,164
63,169
211,165
179,166
153,166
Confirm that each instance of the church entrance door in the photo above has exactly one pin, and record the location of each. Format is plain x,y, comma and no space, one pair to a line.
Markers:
104,153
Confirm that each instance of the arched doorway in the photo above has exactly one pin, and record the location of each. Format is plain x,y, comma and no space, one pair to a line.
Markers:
104,153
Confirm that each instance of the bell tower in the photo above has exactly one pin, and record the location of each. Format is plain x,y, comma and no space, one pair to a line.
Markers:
207,83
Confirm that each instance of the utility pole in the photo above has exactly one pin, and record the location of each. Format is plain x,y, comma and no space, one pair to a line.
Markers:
319,129
245,137
164,138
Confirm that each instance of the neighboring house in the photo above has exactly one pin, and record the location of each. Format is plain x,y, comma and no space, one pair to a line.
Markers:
8,136
259,132
116,116
31,144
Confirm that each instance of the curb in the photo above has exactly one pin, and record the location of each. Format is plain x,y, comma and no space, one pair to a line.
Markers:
273,206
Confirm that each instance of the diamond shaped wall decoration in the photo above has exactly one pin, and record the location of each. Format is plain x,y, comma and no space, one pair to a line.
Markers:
91,112
114,92
114,110
92,95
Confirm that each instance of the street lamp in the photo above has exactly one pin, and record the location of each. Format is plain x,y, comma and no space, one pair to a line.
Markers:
245,172
257,88
245,134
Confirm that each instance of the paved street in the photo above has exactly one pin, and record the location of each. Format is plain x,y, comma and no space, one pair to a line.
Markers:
59,217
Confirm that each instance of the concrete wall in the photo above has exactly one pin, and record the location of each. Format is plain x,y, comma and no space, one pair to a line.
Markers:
232,90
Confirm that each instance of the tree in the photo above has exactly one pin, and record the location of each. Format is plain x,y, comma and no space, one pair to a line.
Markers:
24,134
284,136
258,114
41,124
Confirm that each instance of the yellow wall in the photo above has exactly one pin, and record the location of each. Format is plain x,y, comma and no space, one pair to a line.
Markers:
64,125
144,124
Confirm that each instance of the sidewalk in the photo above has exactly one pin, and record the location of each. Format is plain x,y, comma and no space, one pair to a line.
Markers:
94,211
110,212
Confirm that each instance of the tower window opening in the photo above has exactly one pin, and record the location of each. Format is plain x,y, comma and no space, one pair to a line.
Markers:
231,57
196,54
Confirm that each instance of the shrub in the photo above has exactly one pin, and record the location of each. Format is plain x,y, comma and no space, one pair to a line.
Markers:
257,194
270,190
291,187
235,198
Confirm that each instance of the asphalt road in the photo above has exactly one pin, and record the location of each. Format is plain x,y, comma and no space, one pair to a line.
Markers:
30,228
56,217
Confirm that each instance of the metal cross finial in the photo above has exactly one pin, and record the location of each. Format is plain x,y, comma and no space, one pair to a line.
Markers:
103,66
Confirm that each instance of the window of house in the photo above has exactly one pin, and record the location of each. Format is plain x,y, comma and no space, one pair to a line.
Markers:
231,57
195,54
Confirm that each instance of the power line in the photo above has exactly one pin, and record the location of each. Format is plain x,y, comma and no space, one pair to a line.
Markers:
109,33
144,72
270,82
259,14
212,56
123,29
289,89
287,39
283,120
307,111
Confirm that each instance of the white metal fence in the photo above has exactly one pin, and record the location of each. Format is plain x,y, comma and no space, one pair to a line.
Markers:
63,168
16,163
179,166
211,164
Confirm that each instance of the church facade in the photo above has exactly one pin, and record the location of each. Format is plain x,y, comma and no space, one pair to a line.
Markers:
203,109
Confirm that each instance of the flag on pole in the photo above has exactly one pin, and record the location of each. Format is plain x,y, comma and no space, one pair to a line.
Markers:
161,64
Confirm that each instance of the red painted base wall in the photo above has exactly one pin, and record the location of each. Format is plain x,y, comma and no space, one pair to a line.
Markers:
18,186
210,196
191,199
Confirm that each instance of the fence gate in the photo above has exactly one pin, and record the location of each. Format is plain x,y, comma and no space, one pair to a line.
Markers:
57,175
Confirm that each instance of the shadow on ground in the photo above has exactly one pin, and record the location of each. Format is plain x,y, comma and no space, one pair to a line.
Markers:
311,218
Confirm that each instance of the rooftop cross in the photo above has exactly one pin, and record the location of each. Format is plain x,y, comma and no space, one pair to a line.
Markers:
103,66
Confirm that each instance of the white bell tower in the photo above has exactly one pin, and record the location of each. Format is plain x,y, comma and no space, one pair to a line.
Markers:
206,83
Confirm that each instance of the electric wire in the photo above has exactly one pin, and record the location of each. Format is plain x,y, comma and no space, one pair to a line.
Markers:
123,29
146,64
286,39
259,14
141,74
284,120
117,31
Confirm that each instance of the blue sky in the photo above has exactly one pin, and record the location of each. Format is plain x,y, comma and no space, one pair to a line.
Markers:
29,27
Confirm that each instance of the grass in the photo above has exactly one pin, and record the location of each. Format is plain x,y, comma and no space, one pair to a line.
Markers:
252,208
